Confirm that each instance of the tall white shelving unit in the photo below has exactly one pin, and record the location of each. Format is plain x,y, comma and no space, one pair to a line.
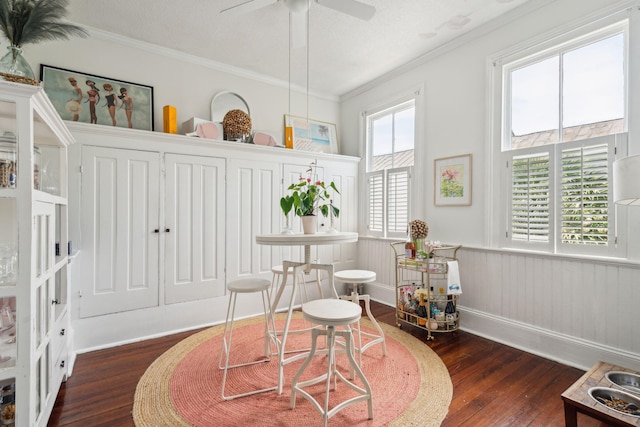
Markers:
34,286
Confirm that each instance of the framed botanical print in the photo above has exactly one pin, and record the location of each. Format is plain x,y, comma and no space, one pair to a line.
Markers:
452,181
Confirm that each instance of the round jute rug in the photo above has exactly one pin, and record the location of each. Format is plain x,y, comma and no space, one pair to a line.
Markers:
411,385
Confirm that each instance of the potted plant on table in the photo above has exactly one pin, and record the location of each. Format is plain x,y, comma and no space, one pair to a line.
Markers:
309,195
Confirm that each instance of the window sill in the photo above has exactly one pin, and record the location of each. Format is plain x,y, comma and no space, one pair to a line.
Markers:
537,254
568,257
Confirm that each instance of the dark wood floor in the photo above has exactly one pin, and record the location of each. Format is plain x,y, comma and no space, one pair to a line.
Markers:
493,385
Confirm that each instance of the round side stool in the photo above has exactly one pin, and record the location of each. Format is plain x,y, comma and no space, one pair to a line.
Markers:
355,277
331,313
247,286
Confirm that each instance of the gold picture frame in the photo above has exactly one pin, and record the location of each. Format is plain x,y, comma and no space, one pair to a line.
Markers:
312,135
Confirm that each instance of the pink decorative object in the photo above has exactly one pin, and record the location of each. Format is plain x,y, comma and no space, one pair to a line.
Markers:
261,138
207,130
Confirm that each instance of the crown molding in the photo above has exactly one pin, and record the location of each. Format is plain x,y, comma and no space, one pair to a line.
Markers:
451,45
203,62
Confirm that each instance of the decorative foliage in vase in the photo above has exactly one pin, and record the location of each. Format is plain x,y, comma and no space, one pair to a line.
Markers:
309,195
419,231
31,21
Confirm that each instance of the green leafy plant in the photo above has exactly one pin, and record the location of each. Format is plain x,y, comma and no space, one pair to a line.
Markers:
286,204
34,21
309,195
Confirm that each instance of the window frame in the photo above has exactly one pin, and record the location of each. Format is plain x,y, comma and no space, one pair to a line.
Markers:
500,68
397,105
533,55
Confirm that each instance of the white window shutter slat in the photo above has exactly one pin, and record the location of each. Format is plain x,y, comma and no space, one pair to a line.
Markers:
530,198
585,195
376,202
398,200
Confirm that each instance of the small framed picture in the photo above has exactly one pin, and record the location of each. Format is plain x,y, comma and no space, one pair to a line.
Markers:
312,135
88,98
452,181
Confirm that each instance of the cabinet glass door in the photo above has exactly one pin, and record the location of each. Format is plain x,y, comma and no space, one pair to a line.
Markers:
8,148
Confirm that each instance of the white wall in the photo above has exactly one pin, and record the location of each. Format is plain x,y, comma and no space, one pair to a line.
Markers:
181,80
456,114
455,121
574,310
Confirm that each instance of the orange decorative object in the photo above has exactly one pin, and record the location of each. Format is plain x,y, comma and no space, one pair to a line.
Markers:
288,137
169,119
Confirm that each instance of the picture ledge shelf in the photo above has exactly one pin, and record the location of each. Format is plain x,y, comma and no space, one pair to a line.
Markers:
105,130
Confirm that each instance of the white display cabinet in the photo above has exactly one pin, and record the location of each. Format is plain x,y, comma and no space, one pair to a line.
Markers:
34,288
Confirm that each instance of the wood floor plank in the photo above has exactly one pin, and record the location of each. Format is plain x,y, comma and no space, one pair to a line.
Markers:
493,384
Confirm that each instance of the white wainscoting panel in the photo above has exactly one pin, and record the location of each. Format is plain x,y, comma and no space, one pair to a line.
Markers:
573,310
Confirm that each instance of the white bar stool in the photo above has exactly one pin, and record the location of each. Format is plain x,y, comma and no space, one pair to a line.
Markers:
354,277
245,286
278,272
331,313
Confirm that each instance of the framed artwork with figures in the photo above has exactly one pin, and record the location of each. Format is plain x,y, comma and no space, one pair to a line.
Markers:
89,98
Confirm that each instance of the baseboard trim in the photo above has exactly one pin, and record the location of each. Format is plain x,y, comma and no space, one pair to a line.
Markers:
571,351
582,354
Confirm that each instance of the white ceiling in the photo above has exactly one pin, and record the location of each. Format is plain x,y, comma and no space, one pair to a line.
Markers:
344,52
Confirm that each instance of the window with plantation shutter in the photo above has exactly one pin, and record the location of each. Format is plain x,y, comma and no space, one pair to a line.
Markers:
562,123
390,156
564,209
530,198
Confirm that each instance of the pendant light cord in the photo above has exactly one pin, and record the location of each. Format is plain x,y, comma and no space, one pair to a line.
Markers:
290,61
308,49
290,47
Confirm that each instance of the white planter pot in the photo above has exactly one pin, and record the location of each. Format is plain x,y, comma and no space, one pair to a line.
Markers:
309,224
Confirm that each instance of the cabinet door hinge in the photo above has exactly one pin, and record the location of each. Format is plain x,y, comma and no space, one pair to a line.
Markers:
81,168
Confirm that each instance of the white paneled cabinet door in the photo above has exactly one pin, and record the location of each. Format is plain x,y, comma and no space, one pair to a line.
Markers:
253,208
120,216
194,231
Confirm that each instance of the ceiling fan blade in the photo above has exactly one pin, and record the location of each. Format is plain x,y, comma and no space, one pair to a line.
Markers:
350,7
247,6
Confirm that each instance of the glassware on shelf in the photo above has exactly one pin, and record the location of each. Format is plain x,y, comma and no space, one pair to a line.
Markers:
8,264
7,326
9,165
7,162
